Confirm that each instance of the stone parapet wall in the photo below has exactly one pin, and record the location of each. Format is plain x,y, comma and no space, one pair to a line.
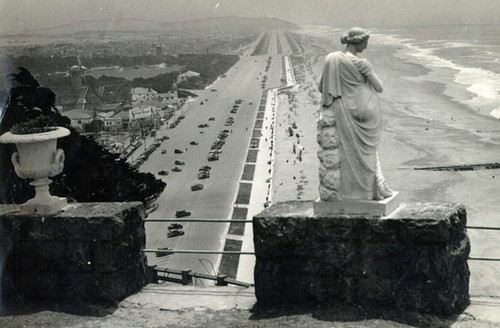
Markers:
92,252
413,260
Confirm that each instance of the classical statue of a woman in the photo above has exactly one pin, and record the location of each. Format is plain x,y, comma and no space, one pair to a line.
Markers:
350,124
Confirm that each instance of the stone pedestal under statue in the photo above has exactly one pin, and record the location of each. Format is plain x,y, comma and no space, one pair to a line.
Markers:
414,259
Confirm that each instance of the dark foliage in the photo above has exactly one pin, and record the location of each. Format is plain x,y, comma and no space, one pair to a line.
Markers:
91,173
160,83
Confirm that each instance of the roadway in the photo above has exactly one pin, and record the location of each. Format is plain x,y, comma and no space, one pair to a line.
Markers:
242,81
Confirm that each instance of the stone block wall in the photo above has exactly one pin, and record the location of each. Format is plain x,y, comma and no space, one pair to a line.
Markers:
90,253
414,260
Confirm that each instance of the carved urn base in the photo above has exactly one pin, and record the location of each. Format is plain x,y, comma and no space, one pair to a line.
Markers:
43,202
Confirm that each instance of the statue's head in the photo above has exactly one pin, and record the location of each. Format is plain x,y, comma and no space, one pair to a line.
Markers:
355,36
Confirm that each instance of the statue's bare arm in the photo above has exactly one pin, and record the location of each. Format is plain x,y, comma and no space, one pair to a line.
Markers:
375,82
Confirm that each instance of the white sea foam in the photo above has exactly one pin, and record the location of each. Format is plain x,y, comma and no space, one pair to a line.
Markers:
484,84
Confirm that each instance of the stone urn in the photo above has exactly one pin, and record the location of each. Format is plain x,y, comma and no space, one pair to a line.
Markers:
38,158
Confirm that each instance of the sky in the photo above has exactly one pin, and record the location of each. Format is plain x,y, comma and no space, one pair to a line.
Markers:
20,15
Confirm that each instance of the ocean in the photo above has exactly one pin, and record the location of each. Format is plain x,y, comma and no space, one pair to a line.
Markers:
470,54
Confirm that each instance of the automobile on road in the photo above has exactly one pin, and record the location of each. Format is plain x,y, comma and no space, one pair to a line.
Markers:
178,162
178,151
164,251
193,143
163,172
182,213
197,186
213,157
203,175
163,151
175,226
175,233
177,169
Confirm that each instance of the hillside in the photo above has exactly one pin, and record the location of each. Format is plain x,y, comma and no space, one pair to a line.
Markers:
216,24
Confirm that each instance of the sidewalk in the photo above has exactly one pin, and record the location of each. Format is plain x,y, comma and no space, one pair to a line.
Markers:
263,178
261,186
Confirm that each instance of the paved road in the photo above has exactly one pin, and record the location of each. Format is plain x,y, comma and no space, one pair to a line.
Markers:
242,81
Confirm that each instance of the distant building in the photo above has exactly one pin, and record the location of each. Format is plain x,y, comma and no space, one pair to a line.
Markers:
170,97
79,118
111,122
141,113
186,76
112,107
143,94
83,120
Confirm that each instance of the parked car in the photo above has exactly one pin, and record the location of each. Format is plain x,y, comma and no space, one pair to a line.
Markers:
213,157
203,175
204,125
205,168
177,169
178,151
175,233
182,213
163,172
175,226
193,143
197,186
178,162
211,119
164,251
163,151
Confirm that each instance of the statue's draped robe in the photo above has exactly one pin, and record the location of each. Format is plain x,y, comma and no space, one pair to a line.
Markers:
356,107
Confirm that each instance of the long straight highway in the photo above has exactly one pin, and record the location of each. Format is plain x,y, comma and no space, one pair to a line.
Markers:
242,81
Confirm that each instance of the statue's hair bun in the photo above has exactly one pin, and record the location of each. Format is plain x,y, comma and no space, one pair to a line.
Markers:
355,35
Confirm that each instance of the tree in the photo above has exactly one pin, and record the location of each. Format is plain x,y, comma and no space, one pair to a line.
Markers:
91,173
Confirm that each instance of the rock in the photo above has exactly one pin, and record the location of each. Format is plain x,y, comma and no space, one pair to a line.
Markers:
330,158
326,118
327,194
327,138
330,178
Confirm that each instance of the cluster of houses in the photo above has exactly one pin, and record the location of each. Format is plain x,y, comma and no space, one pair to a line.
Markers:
148,107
